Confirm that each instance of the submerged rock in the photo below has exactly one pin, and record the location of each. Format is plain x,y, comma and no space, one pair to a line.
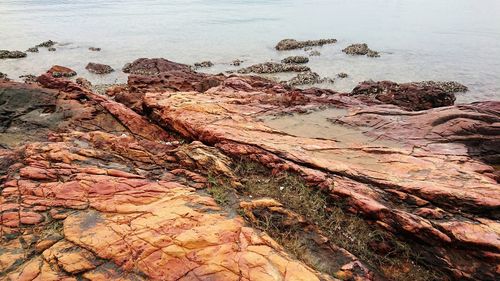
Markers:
28,78
47,44
51,49
291,44
203,64
314,53
342,75
84,83
99,68
295,59
61,71
237,62
360,50
273,67
410,96
5,54
307,78
94,49
32,50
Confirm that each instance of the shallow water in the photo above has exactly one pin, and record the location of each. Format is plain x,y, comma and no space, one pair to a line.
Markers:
419,39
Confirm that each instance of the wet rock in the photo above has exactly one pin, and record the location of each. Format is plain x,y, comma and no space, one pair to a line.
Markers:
114,190
203,64
28,78
410,96
360,50
291,44
47,44
314,54
84,83
61,71
3,75
94,49
434,167
99,68
51,49
307,78
5,54
273,67
32,50
342,75
155,66
237,62
295,59
447,86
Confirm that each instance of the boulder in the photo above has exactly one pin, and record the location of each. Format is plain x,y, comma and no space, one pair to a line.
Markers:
99,68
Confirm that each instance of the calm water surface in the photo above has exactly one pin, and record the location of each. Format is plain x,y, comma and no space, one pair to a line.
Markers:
419,39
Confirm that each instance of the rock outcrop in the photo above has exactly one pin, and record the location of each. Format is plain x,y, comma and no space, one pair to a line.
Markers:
295,59
99,191
410,96
273,67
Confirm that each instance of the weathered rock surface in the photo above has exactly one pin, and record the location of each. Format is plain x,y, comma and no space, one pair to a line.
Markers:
95,191
99,68
295,59
410,96
99,191
291,44
360,50
273,67
5,54
400,185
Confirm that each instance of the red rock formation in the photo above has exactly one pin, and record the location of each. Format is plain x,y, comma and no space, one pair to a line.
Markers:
99,191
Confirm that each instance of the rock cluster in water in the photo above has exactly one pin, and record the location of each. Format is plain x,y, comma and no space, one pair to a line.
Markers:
5,54
109,188
203,64
360,50
291,44
273,67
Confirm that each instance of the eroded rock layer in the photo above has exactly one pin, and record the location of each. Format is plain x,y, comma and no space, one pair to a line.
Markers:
112,188
98,192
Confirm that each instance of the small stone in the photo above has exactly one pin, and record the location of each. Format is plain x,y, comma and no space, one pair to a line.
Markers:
342,75
3,75
95,49
52,49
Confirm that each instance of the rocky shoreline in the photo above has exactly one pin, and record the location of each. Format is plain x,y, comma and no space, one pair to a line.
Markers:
157,179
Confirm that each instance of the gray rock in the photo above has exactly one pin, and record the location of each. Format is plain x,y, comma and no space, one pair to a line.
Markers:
273,67
5,54
295,59
360,50
291,44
